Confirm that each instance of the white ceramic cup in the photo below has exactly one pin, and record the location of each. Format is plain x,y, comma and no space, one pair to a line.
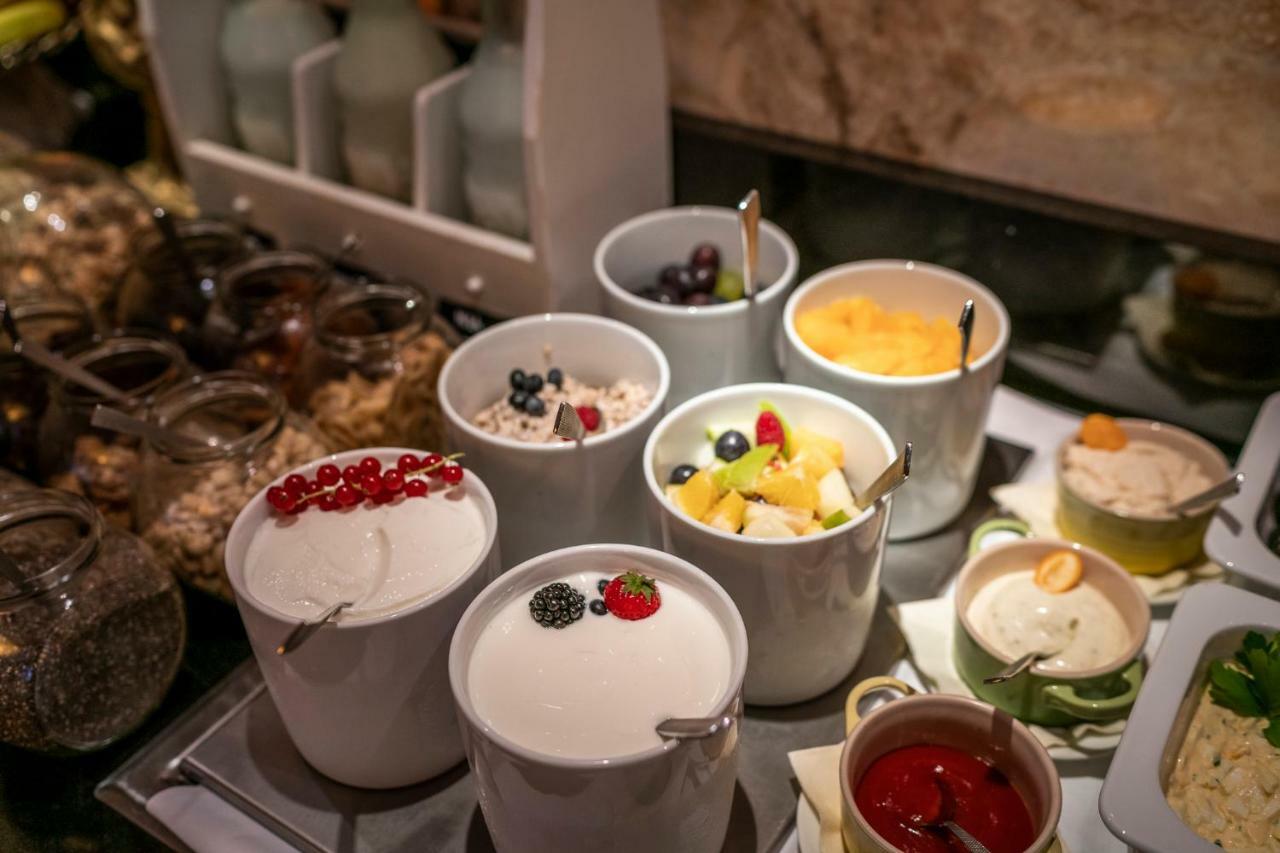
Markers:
675,797
807,602
711,346
560,493
944,415
366,702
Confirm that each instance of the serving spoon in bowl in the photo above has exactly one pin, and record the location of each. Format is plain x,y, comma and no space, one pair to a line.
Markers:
945,819
1217,492
890,478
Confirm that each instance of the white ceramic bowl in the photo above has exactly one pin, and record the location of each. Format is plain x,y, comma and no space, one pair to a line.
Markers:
558,494
712,346
807,602
675,797
944,415
366,702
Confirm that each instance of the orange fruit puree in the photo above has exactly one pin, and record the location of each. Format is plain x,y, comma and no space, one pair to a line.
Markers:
859,333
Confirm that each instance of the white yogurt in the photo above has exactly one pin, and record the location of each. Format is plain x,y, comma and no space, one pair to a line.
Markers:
597,688
383,557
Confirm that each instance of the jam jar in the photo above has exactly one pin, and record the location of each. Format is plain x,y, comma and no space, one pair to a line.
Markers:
161,293
92,635
261,314
102,465
191,492
369,371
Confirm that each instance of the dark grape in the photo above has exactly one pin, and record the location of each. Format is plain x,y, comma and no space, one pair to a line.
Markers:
670,275
668,295
685,281
704,279
705,255
698,299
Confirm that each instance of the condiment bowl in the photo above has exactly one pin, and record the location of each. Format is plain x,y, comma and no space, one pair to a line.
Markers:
1143,545
552,495
808,601
1041,695
675,797
944,415
366,702
944,720
709,346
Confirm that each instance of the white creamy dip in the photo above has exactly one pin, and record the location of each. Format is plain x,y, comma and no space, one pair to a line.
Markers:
383,557
1142,478
597,688
1016,617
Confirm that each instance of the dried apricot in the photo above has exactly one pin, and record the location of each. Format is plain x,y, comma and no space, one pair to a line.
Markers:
1101,432
1059,571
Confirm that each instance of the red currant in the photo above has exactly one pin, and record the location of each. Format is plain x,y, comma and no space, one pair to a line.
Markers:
371,484
452,473
416,488
383,497
392,481
328,503
408,463
281,500
295,484
346,495
351,475
369,465
590,417
329,475
432,459
314,487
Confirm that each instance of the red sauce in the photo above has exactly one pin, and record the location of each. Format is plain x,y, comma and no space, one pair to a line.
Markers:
905,790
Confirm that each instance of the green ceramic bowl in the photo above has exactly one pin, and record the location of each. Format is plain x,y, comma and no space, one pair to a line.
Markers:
1038,695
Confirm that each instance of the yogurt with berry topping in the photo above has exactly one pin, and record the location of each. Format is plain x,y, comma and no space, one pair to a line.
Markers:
597,685
382,557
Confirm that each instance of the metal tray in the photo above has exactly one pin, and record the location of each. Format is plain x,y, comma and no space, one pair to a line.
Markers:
234,744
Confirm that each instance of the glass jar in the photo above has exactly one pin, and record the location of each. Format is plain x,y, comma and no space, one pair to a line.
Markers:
188,496
261,315
70,219
101,465
369,372
156,294
57,321
91,642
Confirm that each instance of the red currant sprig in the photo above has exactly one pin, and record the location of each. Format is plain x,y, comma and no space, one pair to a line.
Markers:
333,488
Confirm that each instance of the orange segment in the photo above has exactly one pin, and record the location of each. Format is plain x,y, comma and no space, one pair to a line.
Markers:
1059,571
1101,432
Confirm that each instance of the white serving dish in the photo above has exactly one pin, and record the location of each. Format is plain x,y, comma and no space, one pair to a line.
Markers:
1235,538
1207,625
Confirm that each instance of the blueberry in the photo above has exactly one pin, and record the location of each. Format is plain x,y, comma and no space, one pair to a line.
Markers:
597,606
517,379
556,377
535,406
680,474
601,585
731,444
533,383
705,255
517,399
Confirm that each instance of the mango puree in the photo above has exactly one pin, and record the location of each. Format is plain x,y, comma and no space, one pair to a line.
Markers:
858,333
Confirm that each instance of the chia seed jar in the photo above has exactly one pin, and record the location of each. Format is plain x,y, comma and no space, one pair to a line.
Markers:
91,640
189,494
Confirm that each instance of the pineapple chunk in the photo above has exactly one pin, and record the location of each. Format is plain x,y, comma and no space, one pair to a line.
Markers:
792,486
796,519
802,438
813,526
834,494
698,495
768,527
815,460
727,514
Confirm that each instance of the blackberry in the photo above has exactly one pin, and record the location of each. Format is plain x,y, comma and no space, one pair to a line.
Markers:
597,607
556,605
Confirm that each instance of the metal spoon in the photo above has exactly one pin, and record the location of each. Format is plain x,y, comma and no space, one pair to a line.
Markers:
946,812
12,574
172,241
115,420
568,424
683,728
303,632
966,333
749,221
892,477
1218,492
970,843
37,353
1017,667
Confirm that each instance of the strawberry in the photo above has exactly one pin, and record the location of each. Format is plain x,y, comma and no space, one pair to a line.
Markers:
590,417
632,596
769,430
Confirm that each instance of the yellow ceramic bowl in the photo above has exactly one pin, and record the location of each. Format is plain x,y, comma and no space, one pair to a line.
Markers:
1143,545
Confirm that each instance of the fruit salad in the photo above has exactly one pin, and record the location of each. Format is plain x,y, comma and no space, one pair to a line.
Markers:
701,281
781,482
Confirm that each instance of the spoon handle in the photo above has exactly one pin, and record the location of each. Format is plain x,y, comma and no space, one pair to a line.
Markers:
115,420
1014,669
684,728
970,843
966,333
11,574
304,630
890,478
749,219
568,424
1220,491
36,353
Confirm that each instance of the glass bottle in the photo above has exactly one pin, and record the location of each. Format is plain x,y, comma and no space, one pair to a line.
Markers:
388,53
155,293
188,496
259,42
492,119
370,369
93,638
102,465
261,315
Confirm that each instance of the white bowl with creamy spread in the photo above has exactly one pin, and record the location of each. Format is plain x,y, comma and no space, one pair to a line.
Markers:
365,699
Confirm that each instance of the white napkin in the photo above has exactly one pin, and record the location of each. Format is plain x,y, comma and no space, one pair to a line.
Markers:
209,824
1037,505
818,772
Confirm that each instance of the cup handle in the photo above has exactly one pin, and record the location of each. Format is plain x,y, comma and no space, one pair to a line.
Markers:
870,685
1064,698
996,525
